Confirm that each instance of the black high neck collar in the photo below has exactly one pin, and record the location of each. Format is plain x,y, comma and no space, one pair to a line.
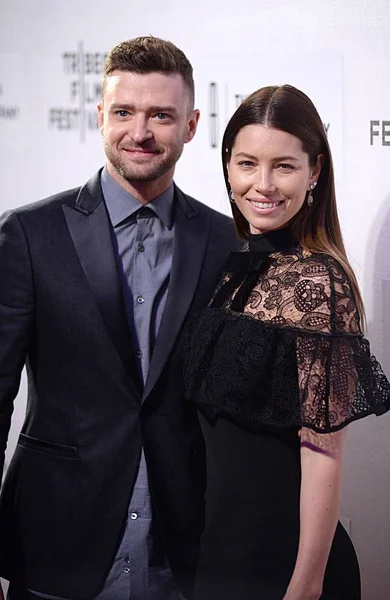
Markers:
246,266
271,241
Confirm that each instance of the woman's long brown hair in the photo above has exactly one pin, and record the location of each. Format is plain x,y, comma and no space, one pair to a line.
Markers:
316,227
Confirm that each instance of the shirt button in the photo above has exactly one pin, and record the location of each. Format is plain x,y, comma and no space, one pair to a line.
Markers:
126,570
139,354
134,516
141,248
140,299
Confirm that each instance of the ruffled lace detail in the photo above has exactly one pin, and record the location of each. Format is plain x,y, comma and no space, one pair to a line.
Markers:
294,357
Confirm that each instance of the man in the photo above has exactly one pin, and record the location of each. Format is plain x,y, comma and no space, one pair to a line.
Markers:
104,496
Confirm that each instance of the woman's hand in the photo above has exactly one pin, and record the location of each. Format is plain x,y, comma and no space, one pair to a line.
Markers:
321,464
303,596
303,592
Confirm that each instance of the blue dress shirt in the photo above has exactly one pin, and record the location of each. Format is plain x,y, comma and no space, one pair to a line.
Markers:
143,243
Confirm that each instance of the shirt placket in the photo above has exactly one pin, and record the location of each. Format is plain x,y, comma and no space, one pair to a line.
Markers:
143,297
140,510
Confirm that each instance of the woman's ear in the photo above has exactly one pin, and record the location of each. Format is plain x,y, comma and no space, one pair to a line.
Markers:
317,168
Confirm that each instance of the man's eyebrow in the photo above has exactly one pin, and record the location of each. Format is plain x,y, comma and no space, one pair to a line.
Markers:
154,109
169,108
120,106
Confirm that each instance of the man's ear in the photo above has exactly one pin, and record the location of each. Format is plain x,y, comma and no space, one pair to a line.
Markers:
192,125
100,112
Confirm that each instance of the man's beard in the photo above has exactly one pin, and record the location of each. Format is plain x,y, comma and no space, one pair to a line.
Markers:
143,171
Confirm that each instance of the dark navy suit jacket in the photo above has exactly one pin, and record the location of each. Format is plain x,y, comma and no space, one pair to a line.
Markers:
64,501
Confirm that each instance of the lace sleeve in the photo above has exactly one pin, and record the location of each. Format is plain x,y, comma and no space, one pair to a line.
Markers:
295,356
339,380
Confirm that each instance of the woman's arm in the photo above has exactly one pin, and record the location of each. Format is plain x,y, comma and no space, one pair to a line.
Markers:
321,463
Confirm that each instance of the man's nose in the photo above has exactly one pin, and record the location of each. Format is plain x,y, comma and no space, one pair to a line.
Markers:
139,130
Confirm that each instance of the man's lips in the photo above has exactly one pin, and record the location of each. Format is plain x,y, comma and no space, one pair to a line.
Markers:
140,151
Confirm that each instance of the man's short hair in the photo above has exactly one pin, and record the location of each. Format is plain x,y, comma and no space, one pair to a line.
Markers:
149,54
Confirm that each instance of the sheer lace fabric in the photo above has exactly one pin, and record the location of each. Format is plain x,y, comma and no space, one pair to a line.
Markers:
293,356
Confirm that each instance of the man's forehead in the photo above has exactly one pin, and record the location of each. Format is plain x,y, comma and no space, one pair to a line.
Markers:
147,82
147,91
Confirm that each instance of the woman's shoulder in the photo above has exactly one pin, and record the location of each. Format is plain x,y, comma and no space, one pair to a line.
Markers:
313,288
324,269
311,263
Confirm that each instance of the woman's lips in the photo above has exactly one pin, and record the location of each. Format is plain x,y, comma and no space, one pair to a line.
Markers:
264,206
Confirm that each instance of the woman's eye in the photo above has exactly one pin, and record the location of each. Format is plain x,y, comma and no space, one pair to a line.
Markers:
245,163
285,167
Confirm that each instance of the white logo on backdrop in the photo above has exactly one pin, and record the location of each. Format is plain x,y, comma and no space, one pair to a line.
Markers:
83,72
13,95
8,112
380,133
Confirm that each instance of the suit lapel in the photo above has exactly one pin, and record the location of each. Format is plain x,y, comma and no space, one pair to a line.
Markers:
190,237
90,229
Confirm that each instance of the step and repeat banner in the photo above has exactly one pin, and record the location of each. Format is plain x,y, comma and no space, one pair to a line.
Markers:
51,64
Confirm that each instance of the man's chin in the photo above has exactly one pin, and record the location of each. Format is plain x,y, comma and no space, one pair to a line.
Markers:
141,176
143,173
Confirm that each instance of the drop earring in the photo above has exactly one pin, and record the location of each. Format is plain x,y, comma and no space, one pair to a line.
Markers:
231,197
310,198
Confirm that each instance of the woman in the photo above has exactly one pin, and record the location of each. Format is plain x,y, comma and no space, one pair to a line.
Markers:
278,366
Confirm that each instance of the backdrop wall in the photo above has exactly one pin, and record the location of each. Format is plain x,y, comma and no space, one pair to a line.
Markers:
337,51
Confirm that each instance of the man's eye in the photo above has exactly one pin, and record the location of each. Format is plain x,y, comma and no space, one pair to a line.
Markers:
122,113
160,116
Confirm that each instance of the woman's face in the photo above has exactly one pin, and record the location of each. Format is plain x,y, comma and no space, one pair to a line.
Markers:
269,175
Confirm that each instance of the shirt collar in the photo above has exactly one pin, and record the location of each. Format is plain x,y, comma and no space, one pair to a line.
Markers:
121,205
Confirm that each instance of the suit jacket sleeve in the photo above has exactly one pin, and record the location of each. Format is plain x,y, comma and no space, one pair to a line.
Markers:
16,316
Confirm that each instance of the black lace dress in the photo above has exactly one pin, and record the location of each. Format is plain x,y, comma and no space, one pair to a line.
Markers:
279,348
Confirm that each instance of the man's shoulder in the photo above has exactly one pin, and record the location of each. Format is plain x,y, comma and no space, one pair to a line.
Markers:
49,203
68,197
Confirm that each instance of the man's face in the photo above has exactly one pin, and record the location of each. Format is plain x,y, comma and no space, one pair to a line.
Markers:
145,120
